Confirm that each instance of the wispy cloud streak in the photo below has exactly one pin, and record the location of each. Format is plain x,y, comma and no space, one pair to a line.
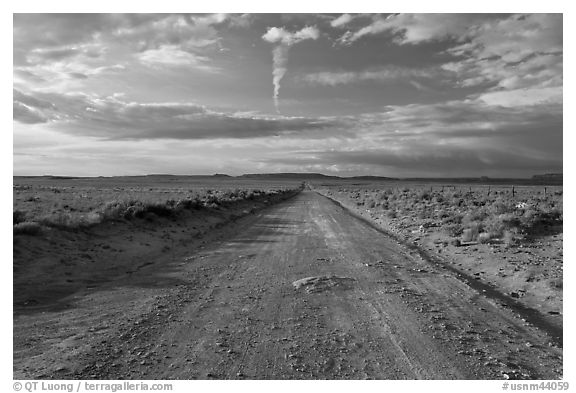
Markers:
284,40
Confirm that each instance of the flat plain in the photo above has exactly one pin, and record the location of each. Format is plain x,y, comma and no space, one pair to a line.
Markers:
180,278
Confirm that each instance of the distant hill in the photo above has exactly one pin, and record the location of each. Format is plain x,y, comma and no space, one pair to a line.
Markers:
548,179
293,176
375,178
309,176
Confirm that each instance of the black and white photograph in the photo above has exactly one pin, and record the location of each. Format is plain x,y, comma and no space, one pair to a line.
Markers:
287,196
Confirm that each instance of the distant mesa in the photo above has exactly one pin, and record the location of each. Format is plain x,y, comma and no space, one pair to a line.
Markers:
309,176
288,176
547,179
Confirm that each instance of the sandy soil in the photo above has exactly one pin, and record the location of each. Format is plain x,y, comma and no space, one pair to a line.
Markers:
299,290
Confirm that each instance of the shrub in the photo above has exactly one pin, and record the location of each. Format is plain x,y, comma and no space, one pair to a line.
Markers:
91,218
499,207
443,214
188,204
509,239
18,216
27,228
117,209
59,219
470,234
159,209
529,216
484,237
438,199
422,214
455,242
474,216
452,219
69,221
452,229
424,195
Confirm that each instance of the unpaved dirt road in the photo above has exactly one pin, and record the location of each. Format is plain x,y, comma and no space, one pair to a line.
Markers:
301,290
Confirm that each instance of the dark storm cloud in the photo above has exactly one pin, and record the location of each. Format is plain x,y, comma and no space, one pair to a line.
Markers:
445,159
463,115
112,118
436,161
452,138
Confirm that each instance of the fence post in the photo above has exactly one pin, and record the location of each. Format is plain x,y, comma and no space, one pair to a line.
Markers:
512,190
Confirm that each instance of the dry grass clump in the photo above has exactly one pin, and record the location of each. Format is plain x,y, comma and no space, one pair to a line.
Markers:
27,228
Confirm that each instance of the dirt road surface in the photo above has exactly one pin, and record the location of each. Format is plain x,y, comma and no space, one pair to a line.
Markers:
301,290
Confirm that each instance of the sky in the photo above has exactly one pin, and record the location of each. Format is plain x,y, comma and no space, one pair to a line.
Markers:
400,95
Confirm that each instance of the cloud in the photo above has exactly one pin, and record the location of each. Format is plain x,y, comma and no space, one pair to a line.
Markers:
514,38
30,110
454,138
148,31
341,21
444,161
518,59
114,119
27,115
284,40
457,118
384,74
539,70
46,31
416,28
240,20
64,53
54,51
61,75
515,59
523,97
188,31
171,55
278,35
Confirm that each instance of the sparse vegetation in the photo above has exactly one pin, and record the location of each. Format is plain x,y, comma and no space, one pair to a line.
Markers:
27,228
470,215
73,206
18,216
